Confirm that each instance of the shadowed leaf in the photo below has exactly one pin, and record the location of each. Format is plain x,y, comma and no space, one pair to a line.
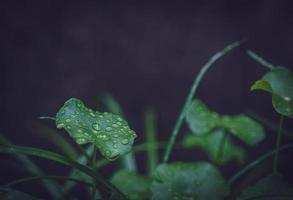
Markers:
179,180
217,145
279,82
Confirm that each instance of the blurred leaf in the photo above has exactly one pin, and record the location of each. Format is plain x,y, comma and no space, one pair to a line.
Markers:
217,145
279,82
245,128
272,187
132,185
10,194
109,132
179,180
200,119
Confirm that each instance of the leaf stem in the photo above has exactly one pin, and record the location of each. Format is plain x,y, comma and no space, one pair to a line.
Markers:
259,59
278,143
93,164
191,94
47,117
221,149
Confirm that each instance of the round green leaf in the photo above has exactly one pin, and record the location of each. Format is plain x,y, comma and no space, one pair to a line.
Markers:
179,180
243,127
279,82
272,187
109,132
200,119
134,186
217,145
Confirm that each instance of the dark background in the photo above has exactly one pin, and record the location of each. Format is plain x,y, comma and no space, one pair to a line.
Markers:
145,54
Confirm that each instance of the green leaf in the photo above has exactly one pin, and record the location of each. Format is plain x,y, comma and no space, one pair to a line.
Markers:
243,127
132,185
10,194
179,180
200,119
109,132
272,187
217,145
279,82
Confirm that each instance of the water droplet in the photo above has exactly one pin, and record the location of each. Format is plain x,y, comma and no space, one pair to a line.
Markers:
125,141
119,119
79,105
60,125
108,153
115,146
79,130
115,135
80,141
92,114
108,129
96,126
119,123
287,98
68,127
68,120
115,125
101,116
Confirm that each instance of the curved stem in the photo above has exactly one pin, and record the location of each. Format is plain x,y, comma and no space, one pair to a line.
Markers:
278,143
256,162
47,117
260,60
191,94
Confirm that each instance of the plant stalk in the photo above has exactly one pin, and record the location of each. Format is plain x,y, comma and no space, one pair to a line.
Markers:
191,94
278,143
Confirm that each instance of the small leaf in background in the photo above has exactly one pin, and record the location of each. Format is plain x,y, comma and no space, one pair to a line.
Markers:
179,180
243,127
272,187
109,132
217,145
200,119
279,82
132,185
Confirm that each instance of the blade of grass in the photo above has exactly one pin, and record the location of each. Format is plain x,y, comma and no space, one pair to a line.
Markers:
57,139
32,168
151,137
103,184
191,94
112,105
37,178
259,59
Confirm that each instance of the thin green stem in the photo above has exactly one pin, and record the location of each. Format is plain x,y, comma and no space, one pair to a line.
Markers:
222,147
278,143
93,164
256,162
36,178
191,94
151,132
259,59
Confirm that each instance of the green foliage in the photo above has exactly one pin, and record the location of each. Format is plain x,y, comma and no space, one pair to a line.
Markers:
134,186
217,144
202,121
180,180
278,82
272,187
109,132
243,127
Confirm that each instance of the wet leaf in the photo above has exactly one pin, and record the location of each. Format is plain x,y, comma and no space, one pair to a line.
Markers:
243,127
217,145
179,180
200,119
132,185
272,187
109,132
279,82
